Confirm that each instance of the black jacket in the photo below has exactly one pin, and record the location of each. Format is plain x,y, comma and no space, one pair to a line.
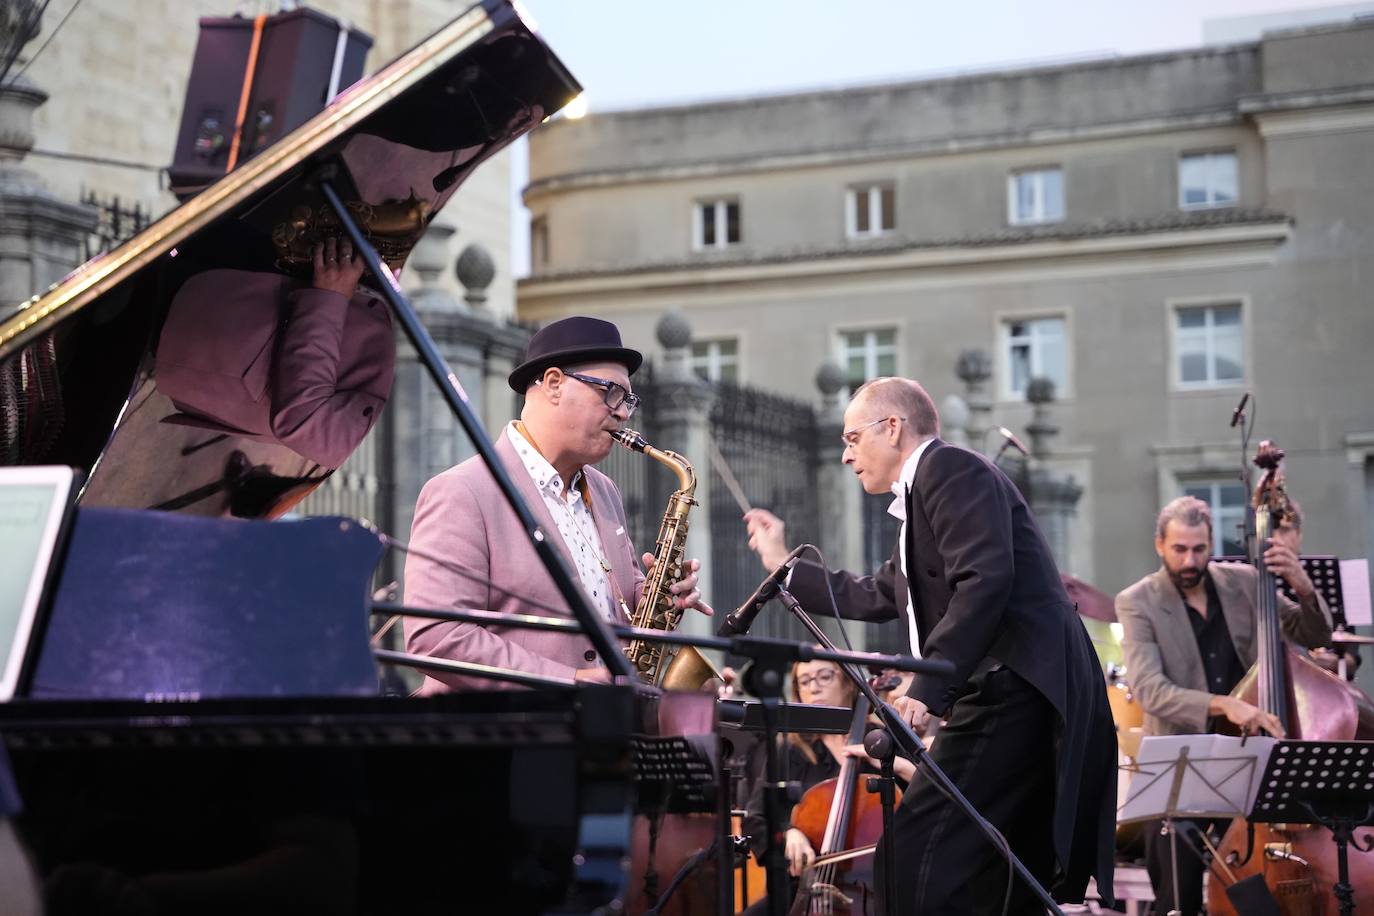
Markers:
984,586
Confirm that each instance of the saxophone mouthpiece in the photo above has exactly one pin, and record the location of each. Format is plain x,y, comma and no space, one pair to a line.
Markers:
630,439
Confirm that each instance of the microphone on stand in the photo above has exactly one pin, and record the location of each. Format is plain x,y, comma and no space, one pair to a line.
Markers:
1009,439
738,621
1239,413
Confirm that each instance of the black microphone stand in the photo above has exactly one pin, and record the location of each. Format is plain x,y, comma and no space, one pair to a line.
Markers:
764,678
878,744
908,741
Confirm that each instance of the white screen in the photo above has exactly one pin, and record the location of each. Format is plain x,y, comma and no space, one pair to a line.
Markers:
32,503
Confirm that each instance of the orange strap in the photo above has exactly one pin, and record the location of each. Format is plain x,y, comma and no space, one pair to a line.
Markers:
258,23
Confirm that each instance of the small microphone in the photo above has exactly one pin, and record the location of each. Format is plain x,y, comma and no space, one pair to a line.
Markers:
1009,438
878,744
1239,412
739,620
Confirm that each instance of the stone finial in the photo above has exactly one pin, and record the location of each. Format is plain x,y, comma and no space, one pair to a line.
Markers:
1040,392
830,378
427,257
674,333
20,22
834,388
673,330
974,367
954,416
475,269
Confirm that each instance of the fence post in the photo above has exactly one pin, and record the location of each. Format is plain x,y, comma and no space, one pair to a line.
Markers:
1053,495
682,424
974,367
839,496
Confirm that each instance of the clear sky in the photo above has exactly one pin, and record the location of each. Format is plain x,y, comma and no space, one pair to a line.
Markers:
637,53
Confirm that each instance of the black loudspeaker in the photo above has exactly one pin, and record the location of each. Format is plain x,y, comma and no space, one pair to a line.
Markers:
287,63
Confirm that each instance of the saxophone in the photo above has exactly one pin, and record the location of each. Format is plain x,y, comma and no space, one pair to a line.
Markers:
686,669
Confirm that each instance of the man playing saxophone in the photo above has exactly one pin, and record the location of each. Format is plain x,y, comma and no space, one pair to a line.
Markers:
469,550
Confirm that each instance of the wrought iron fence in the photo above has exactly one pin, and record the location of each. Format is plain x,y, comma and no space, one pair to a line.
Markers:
116,224
769,444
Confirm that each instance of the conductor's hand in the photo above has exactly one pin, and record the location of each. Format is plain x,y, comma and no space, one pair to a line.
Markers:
800,855
335,267
1247,717
767,537
684,591
913,711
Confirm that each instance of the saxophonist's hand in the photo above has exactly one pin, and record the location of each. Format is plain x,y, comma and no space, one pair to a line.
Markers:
684,591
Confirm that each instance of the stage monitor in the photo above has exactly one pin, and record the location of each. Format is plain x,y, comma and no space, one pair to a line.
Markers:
33,512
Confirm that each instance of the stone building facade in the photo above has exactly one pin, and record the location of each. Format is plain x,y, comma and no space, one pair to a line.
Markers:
1157,234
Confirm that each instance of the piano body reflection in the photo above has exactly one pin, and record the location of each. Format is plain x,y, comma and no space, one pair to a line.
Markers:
170,758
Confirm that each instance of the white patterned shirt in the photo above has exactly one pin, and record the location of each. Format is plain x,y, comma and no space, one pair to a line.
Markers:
573,517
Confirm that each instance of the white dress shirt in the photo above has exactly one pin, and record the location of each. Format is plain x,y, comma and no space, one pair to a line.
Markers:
573,516
905,481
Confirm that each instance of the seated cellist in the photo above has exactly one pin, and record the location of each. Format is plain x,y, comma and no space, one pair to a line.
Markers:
808,760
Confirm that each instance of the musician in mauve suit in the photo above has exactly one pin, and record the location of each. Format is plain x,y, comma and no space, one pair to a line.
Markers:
1189,637
1028,737
263,356
470,552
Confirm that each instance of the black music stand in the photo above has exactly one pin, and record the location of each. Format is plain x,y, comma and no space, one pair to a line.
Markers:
745,719
1330,783
1325,572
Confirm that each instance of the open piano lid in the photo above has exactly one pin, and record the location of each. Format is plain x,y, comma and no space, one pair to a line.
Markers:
242,418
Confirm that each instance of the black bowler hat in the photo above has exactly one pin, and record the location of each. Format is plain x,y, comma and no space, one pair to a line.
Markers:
573,340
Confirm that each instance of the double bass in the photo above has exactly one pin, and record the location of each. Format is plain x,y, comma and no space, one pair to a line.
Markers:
1297,861
843,822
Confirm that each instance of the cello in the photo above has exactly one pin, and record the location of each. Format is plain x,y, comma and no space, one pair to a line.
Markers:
1297,861
843,824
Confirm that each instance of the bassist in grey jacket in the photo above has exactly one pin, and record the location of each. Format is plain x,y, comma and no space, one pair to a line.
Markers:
1189,639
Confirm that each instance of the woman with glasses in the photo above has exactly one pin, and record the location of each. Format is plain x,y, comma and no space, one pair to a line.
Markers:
807,761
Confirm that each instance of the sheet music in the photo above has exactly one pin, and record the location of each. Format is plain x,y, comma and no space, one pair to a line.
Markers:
1355,588
1221,777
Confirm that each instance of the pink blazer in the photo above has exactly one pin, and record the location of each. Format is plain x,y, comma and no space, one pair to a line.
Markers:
255,354
462,516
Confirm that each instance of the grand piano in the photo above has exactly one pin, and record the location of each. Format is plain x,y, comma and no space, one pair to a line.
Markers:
199,728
